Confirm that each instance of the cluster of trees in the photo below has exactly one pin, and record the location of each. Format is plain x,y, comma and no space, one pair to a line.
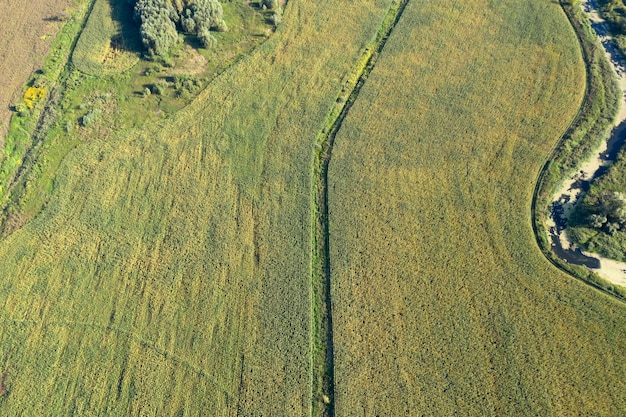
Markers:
610,215
161,21
615,11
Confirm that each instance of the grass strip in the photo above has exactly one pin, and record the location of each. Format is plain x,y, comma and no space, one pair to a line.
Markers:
28,127
322,326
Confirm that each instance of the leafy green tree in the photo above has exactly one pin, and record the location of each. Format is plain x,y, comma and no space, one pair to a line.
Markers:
159,20
158,30
208,14
597,220
610,215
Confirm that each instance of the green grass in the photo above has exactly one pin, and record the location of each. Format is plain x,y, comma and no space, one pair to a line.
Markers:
109,42
80,88
170,270
442,302
169,274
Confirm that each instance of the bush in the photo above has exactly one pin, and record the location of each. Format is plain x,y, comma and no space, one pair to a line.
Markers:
269,4
90,118
207,40
159,87
21,109
186,85
277,17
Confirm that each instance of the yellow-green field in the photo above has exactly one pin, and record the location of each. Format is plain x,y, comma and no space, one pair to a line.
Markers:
443,305
170,272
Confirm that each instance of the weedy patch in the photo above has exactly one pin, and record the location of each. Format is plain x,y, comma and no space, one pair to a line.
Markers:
32,95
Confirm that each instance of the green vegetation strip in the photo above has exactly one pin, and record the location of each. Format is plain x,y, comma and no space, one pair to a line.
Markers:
323,362
28,125
584,135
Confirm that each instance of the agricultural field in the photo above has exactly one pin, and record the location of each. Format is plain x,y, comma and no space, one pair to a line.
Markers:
28,28
442,302
169,273
326,216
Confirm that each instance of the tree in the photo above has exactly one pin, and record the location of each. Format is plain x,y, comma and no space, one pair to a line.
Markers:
157,25
610,213
208,14
158,21
597,220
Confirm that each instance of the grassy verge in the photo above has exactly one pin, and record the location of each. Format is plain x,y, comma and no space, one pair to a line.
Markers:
31,120
99,95
583,136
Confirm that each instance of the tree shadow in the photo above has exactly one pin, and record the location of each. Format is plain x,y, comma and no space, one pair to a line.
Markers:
128,38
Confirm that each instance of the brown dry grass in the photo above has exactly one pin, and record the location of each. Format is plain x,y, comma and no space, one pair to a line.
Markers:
28,29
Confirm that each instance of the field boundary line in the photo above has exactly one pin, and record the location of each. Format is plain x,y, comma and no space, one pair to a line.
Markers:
322,348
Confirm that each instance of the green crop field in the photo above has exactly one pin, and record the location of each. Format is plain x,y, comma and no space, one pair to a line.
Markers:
443,304
167,253
169,274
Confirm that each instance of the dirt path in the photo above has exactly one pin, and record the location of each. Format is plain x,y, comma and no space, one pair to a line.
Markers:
28,29
565,198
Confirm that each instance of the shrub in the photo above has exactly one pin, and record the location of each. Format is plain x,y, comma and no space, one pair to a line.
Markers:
159,87
90,118
207,40
277,17
269,4
32,94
